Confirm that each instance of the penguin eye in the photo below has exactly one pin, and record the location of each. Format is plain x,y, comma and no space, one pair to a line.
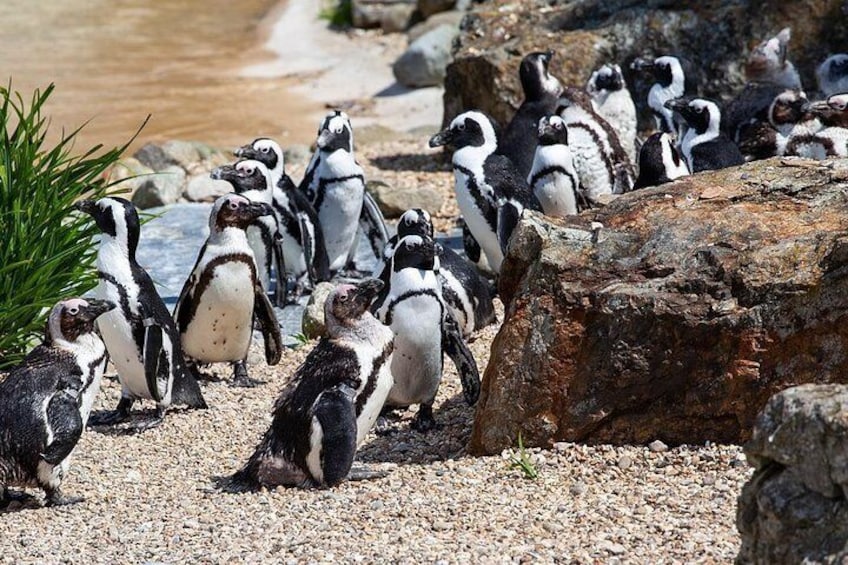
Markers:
233,205
249,170
264,149
73,311
460,127
343,297
338,130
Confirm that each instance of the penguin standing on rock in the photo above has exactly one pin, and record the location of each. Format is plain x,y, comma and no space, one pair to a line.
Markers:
553,178
675,77
335,184
140,334
613,102
330,404
223,296
704,147
424,331
659,162
45,401
303,240
541,91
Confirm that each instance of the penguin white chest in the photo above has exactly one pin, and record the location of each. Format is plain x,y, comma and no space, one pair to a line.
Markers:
485,234
383,382
117,334
223,322
339,218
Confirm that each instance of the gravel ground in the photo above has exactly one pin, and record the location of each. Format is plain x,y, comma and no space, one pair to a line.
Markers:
149,497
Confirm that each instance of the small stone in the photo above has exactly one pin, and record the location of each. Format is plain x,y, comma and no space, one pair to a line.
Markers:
376,505
561,446
624,462
577,489
657,446
441,525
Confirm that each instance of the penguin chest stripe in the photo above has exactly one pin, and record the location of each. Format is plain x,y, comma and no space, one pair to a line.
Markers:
486,209
409,294
371,381
208,274
324,183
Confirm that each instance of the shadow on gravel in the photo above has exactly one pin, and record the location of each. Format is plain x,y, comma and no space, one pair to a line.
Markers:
418,162
402,445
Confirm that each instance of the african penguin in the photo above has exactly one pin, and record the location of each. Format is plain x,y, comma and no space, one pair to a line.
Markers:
266,235
832,75
424,330
612,101
659,162
674,77
541,90
466,293
601,163
303,241
223,296
489,190
788,116
704,146
336,187
553,178
330,404
46,399
140,334
832,112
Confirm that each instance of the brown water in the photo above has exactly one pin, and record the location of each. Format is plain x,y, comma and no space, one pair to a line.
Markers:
116,61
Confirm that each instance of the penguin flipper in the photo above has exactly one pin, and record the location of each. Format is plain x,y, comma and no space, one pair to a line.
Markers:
336,412
462,357
282,293
318,260
509,213
65,422
264,314
307,243
373,225
183,310
155,363
470,244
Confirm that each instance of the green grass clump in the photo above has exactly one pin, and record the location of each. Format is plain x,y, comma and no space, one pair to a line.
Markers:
46,253
522,460
339,13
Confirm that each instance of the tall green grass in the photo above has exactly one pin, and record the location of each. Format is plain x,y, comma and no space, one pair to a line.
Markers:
46,252
339,13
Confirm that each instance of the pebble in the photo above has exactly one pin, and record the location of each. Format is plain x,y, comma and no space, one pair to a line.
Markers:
577,489
441,525
657,446
624,462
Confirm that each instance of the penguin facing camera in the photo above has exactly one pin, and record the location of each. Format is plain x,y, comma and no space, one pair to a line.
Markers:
553,177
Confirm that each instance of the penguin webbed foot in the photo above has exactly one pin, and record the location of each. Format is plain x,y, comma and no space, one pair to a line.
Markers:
240,378
424,421
150,423
112,417
17,498
55,498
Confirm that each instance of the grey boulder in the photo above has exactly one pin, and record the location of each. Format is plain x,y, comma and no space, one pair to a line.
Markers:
425,60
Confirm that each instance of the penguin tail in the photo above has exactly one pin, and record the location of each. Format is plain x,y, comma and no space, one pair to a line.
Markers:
186,390
239,482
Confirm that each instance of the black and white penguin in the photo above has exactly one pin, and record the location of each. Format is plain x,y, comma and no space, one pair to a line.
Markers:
223,296
424,331
335,184
602,165
788,116
704,146
467,294
267,235
659,162
296,214
541,91
553,178
487,184
612,101
832,75
768,72
330,404
832,112
140,334
674,77
45,401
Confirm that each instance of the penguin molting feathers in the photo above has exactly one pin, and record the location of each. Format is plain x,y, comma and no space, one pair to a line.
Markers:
612,101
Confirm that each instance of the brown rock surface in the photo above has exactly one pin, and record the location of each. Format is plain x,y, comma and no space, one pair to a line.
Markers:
715,35
697,301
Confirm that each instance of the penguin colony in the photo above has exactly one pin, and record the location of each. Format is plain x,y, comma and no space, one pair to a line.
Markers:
271,240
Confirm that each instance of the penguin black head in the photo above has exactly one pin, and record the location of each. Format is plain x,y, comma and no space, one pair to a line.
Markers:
117,218
572,96
552,131
72,318
659,162
666,70
701,114
415,221
414,252
608,78
235,211
832,75
536,80
247,174
469,129
262,149
348,303
335,133
768,57
789,108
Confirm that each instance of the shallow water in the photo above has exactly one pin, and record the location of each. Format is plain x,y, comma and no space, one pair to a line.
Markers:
116,61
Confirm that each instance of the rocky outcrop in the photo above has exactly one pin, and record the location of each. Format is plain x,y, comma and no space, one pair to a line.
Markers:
424,61
389,15
677,320
716,36
794,508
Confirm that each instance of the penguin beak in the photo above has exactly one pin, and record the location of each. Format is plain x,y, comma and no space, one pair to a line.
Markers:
96,307
324,138
259,209
444,137
819,108
227,173
679,105
546,58
364,295
87,206
641,64
245,152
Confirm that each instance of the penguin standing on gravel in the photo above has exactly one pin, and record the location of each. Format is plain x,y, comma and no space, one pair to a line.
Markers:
140,334
467,294
223,296
330,404
489,190
424,331
704,146
541,91
674,77
303,241
335,183
266,236
45,401
612,101
659,162
553,178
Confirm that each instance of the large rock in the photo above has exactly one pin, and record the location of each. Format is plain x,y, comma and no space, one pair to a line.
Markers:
429,7
794,508
678,319
160,188
203,188
424,61
452,18
127,175
390,15
395,200
716,36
